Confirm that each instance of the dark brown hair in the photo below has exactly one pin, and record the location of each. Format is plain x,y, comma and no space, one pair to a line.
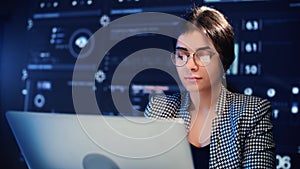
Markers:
216,26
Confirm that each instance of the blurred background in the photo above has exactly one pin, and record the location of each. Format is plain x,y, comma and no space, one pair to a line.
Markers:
40,41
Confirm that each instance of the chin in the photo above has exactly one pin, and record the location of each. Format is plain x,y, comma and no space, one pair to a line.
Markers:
196,88
192,88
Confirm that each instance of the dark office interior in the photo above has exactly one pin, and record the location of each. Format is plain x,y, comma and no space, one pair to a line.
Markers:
38,50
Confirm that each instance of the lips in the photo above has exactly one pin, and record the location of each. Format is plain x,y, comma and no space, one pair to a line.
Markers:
193,78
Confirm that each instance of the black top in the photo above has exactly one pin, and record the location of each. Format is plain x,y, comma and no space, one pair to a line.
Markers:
200,156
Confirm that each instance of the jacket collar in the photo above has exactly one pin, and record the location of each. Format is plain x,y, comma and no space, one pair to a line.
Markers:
185,103
222,100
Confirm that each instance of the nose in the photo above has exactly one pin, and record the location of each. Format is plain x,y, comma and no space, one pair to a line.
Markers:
191,64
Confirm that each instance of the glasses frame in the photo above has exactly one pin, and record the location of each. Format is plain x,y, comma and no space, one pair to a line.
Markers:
173,57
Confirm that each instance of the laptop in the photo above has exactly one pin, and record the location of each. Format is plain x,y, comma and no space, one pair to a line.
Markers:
87,141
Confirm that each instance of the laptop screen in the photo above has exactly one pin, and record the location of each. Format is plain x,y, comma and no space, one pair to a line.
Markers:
49,140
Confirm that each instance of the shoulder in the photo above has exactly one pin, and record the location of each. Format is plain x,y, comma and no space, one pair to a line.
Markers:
242,98
247,101
249,106
163,106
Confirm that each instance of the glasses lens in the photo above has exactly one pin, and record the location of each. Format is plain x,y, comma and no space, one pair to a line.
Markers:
179,58
203,57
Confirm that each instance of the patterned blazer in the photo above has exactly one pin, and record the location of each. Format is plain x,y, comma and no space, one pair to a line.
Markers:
241,133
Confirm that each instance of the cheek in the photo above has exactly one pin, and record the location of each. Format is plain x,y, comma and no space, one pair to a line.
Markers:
181,71
214,72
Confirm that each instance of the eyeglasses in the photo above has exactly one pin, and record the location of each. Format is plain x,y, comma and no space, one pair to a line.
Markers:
202,57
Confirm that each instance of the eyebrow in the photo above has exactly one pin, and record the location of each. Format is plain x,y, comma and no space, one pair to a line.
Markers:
185,49
181,48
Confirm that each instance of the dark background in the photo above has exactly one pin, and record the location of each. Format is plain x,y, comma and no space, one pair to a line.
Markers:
267,48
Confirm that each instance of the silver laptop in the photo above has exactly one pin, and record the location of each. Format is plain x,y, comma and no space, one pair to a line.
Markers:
71,141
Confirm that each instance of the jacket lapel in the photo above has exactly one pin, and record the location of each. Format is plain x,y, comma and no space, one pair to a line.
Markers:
224,137
221,128
216,128
183,111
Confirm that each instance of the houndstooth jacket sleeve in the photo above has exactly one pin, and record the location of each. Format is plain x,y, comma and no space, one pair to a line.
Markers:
242,131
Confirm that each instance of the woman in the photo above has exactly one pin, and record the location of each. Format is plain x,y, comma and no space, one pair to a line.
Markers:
225,129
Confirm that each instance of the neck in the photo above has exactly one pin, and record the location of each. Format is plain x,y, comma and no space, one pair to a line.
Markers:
205,100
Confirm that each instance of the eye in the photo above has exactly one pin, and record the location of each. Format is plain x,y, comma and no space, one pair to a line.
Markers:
180,55
205,58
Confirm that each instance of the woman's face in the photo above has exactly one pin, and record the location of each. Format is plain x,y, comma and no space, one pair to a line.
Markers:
193,76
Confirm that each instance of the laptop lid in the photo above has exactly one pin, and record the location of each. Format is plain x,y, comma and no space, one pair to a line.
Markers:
65,141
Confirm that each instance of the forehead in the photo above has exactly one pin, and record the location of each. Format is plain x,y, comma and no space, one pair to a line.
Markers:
193,40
